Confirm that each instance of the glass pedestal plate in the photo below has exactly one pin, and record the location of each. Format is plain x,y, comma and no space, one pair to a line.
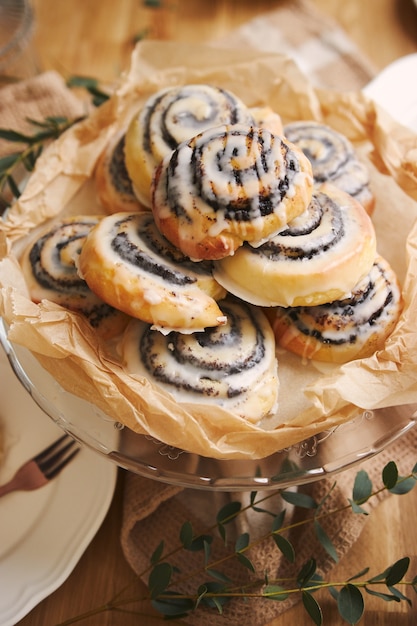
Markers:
324,454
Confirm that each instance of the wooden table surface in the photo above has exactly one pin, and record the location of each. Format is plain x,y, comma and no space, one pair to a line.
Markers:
92,37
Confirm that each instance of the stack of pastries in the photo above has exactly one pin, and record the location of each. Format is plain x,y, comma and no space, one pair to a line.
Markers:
225,234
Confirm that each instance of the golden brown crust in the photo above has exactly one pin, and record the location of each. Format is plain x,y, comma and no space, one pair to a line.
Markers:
169,117
333,158
113,185
128,264
318,258
348,329
49,264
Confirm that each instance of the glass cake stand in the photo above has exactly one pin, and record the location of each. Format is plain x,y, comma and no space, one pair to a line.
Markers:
324,454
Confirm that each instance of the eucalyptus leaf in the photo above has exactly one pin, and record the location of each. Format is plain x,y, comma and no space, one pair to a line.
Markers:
87,82
307,572
8,161
228,512
334,593
313,608
358,510
364,571
57,120
245,561
314,583
403,486
159,579
173,607
186,535
157,553
302,500
379,577
285,546
383,596
215,599
14,188
200,542
390,475
218,575
350,604
275,592
14,136
397,571
242,542
397,593
325,541
362,488
278,521
207,551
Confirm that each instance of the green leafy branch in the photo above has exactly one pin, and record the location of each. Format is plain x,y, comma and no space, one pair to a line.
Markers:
18,163
164,577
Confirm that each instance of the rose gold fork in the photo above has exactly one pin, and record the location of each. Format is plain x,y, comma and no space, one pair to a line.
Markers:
38,471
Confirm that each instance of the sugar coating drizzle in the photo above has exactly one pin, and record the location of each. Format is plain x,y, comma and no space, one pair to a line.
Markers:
136,241
347,321
53,260
219,362
176,115
332,156
236,174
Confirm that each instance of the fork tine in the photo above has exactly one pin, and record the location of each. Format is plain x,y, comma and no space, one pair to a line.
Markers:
56,456
55,470
47,451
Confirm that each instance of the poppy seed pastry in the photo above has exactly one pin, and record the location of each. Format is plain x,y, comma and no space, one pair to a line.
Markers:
129,264
319,257
333,159
347,329
233,366
227,186
114,187
49,265
169,117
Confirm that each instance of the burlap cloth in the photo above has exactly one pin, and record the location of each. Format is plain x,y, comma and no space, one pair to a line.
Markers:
154,511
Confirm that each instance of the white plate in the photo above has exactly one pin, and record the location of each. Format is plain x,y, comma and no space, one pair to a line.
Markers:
394,89
43,533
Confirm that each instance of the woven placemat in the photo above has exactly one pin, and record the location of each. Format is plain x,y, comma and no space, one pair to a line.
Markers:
155,512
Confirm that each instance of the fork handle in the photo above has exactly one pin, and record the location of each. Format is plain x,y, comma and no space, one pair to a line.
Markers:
27,478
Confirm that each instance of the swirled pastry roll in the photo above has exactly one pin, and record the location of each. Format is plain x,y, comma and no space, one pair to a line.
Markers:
168,118
113,184
347,329
233,365
129,264
229,185
49,265
265,117
333,159
317,258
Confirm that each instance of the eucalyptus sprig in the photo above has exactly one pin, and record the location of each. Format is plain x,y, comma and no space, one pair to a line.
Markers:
15,166
44,131
165,578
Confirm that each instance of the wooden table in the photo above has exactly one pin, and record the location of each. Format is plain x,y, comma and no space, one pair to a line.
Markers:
95,38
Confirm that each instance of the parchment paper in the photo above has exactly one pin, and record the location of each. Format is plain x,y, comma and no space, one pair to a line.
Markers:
67,347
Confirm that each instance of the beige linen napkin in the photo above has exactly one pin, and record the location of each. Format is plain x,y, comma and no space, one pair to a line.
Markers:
153,512
35,98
